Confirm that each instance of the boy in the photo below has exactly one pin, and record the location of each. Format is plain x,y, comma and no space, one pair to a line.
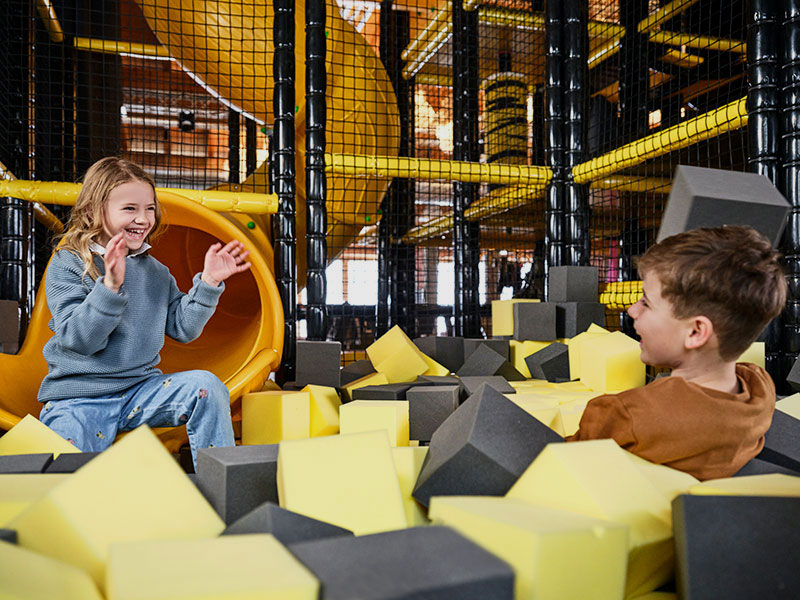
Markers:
708,293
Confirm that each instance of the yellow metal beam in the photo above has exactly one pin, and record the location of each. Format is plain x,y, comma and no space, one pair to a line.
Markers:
664,14
730,117
628,183
114,47
700,42
40,212
502,200
50,20
422,48
620,295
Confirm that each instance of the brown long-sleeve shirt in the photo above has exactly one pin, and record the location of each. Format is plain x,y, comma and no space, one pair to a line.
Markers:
673,422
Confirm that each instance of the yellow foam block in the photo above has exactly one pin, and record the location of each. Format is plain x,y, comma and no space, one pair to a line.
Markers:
224,568
574,350
27,575
790,405
529,384
554,554
269,417
571,386
347,480
611,363
407,463
18,492
434,368
133,491
503,316
325,405
541,407
670,482
396,356
772,484
569,416
518,351
31,436
371,379
754,354
597,479
369,415
270,386
595,328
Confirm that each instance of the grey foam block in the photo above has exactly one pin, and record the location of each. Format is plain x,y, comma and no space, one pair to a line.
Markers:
237,479
535,321
702,197
287,526
319,363
437,380
292,386
793,378
572,284
481,449
471,384
356,370
782,442
756,466
447,351
24,463
389,391
498,345
573,318
8,535
430,563
736,547
550,363
486,361
428,407
70,462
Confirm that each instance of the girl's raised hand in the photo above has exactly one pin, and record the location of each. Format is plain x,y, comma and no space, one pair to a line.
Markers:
223,261
116,251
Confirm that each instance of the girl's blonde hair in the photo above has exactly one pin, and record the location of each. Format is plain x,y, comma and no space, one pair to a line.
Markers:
86,220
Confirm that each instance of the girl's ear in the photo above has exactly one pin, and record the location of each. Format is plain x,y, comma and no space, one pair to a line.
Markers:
700,331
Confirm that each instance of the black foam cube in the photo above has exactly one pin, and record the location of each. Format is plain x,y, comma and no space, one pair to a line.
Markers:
319,363
572,284
756,466
437,380
782,442
573,318
430,563
24,463
497,344
237,479
356,370
428,407
550,363
737,547
389,391
535,321
471,384
447,351
702,197
485,361
8,535
287,526
481,449
70,462
794,376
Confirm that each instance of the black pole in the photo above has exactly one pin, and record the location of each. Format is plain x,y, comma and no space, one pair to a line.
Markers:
251,144
554,133
466,235
283,139
233,146
316,183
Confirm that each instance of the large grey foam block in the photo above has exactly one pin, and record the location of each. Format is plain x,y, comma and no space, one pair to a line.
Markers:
782,442
428,407
481,449
573,318
70,462
550,363
8,535
499,345
447,351
319,363
793,378
437,380
430,563
737,547
24,463
535,321
288,526
756,466
237,479
389,391
471,384
702,197
572,284
485,361
356,370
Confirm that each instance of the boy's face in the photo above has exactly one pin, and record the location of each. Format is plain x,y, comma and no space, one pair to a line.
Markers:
662,335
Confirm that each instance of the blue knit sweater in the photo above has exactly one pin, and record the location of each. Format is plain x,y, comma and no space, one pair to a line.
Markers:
106,342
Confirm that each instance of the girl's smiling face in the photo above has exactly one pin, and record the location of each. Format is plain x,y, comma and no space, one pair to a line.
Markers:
131,209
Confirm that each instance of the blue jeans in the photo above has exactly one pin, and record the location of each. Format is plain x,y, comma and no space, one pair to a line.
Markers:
197,399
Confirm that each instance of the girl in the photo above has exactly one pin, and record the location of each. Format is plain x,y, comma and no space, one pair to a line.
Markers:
112,303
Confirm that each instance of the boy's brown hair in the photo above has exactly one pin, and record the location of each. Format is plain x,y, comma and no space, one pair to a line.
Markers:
729,274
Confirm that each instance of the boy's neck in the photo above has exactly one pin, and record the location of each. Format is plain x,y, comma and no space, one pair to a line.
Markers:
713,374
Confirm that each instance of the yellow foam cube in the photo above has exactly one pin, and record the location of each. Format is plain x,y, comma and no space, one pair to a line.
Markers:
597,479
670,482
611,363
371,379
754,354
571,386
369,415
18,492
595,328
269,417
569,416
541,407
790,405
529,384
347,480
408,462
574,350
518,351
224,568
396,356
554,554
133,491
434,368
503,316
325,405
772,484
26,575
31,436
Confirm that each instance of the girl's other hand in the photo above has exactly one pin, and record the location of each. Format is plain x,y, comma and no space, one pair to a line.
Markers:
223,261
116,251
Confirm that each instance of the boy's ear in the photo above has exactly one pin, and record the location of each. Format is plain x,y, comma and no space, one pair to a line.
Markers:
701,330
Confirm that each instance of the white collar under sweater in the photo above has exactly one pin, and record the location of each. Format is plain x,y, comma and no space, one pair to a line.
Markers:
101,250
